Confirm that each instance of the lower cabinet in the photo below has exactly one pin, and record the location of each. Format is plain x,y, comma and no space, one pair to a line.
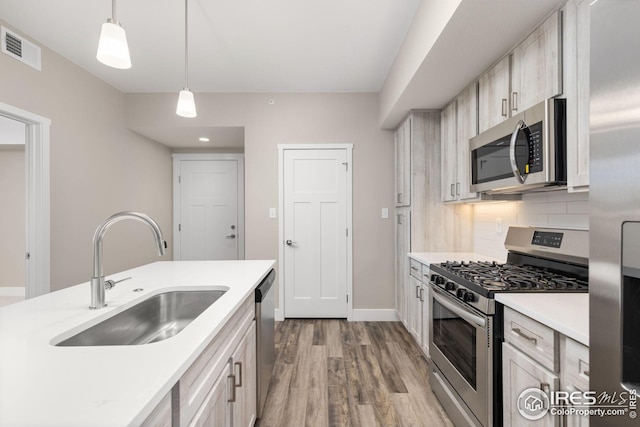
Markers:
520,373
416,294
219,388
535,356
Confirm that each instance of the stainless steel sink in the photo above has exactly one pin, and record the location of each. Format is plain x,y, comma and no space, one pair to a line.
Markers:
154,319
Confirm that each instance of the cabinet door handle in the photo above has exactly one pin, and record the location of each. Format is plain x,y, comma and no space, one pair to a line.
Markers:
586,373
232,384
418,292
421,295
457,188
399,198
514,101
453,190
545,387
504,107
518,332
239,365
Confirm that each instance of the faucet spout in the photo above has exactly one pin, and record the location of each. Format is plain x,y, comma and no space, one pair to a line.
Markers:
97,281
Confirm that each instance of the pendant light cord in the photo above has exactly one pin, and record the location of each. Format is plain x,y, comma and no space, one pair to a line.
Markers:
186,45
113,10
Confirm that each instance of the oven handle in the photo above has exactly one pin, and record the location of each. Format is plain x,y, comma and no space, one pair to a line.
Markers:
512,152
457,309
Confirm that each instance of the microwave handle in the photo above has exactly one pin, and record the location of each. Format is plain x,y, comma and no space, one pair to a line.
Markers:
512,152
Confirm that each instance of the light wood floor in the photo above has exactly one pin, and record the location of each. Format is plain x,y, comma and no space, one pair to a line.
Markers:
358,374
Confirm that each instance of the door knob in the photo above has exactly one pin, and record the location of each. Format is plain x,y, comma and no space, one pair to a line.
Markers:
291,243
231,236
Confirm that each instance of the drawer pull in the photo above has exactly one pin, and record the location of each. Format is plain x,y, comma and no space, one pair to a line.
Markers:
586,373
414,268
232,384
518,332
239,365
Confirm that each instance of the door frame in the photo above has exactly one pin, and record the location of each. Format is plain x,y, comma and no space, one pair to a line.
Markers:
38,228
177,158
281,245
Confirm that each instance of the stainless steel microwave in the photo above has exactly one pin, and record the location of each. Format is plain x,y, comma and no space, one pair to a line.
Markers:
527,151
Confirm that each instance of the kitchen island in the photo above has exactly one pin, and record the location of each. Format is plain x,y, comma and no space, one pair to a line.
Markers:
45,385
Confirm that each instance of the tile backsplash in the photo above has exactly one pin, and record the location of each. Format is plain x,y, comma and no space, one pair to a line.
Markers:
549,209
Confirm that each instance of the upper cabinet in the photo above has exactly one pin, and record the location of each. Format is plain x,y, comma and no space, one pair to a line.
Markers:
577,21
531,74
403,163
494,87
459,124
536,66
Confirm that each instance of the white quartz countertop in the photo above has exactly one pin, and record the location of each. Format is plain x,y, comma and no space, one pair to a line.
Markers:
566,313
434,257
44,385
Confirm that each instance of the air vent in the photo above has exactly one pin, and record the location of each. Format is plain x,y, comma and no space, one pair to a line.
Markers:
21,49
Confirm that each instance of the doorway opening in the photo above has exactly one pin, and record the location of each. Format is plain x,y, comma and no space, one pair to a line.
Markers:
36,252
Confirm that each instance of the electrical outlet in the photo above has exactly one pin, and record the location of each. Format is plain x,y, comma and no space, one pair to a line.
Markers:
385,213
498,225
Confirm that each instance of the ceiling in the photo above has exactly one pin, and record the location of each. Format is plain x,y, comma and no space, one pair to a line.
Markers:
274,46
234,45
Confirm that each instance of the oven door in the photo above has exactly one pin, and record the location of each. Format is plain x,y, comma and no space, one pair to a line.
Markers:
462,349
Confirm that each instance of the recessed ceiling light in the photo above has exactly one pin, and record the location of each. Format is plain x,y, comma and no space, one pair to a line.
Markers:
203,139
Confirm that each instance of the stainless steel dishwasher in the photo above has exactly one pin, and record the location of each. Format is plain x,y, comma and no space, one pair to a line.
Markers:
265,328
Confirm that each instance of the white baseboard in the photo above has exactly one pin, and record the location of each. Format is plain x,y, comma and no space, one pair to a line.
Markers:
360,315
12,291
374,315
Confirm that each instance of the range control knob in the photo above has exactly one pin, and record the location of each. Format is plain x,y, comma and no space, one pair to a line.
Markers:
439,280
460,293
450,286
469,297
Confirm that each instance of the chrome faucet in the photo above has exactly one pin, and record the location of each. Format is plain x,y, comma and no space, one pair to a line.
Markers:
97,281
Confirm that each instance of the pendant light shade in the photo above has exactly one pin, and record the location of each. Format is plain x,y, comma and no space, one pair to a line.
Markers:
186,104
113,49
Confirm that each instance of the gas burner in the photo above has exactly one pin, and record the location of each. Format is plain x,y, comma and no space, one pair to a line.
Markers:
494,276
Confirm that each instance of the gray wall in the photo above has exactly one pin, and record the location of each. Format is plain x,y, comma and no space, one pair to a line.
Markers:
98,167
299,119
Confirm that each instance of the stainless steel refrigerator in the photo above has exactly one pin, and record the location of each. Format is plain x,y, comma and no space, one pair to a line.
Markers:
614,260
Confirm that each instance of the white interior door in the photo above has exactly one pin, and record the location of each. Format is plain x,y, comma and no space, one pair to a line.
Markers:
208,224
315,223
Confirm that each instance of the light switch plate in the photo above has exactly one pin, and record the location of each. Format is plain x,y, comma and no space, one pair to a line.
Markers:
272,213
385,213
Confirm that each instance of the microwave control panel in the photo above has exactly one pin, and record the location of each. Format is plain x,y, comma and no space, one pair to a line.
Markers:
534,135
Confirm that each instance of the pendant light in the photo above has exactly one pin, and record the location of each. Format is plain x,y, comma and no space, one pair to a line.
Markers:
186,104
113,49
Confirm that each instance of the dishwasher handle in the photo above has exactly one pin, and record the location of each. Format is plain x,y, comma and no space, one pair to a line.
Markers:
265,286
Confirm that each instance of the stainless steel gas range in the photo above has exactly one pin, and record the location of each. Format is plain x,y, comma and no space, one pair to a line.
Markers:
466,323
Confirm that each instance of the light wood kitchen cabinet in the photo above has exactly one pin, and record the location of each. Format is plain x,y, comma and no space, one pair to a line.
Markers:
403,163
245,381
494,88
414,291
459,124
574,375
529,75
576,40
161,415
449,151
426,309
537,356
403,247
521,372
205,393
536,66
